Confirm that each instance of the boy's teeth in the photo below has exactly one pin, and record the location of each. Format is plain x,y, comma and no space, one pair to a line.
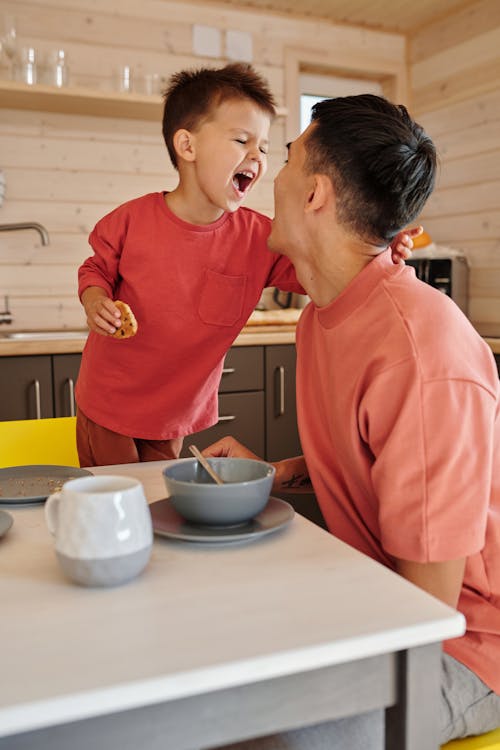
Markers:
242,180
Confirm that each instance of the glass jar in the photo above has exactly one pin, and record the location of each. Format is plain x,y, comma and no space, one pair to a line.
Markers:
26,70
58,73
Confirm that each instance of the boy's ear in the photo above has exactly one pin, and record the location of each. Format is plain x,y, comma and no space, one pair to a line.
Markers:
184,144
320,192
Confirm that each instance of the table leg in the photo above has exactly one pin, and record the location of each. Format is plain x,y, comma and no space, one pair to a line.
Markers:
413,722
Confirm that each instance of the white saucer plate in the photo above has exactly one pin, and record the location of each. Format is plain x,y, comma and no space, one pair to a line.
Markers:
168,523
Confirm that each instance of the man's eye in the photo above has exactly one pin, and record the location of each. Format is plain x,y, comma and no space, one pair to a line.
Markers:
263,151
240,140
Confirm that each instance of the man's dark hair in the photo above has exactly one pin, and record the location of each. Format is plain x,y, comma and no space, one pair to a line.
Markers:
192,94
381,163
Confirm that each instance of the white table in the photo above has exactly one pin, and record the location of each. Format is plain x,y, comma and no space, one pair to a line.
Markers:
212,644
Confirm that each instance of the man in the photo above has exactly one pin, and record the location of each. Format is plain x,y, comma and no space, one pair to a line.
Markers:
400,427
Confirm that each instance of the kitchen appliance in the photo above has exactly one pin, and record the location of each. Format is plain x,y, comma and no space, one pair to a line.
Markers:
274,299
448,272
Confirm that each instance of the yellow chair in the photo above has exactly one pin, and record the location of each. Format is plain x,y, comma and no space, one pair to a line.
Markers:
38,441
488,741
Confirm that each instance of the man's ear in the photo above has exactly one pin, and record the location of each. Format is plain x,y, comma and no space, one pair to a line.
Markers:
183,141
320,192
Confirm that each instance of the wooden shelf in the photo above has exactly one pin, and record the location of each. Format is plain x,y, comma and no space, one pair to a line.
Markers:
84,101
79,100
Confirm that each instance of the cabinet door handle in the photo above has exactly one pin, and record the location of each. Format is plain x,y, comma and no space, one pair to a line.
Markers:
279,404
227,418
228,370
38,403
71,391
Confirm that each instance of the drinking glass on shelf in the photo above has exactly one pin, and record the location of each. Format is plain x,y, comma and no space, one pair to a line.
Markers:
9,36
123,78
57,71
5,64
148,83
8,46
26,68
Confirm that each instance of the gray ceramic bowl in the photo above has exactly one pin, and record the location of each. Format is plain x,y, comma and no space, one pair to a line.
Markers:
245,492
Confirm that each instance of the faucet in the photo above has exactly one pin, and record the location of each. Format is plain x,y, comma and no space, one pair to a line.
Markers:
27,225
6,315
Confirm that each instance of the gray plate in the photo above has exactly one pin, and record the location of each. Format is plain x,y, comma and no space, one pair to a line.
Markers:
167,522
6,522
20,485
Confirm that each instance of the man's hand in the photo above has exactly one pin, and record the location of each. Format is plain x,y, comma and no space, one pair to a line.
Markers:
229,447
291,473
402,244
103,316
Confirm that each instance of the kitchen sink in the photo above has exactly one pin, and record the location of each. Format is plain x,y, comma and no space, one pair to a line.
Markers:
42,335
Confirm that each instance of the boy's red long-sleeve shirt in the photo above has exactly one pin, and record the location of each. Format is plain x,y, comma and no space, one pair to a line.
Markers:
192,288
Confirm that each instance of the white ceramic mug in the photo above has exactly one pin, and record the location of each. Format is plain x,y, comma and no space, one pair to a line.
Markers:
102,528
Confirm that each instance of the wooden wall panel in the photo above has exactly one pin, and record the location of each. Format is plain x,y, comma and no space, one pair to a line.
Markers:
452,30
65,171
455,75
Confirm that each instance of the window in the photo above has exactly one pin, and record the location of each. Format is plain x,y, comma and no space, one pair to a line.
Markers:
315,88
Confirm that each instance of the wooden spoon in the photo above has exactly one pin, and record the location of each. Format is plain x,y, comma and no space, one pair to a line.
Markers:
203,461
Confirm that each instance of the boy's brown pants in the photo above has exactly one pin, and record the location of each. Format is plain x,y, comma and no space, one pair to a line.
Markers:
98,446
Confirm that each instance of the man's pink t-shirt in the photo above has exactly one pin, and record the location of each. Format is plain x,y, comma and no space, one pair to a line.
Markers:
398,409
192,288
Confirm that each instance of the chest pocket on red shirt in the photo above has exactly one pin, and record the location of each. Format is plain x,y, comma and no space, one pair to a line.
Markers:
222,298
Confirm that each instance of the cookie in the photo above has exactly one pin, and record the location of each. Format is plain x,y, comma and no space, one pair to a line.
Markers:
128,326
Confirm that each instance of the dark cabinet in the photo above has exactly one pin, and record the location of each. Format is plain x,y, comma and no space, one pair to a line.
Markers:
497,360
282,437
65,369
241,402
243,370
39,386
257,402
256,396
26,387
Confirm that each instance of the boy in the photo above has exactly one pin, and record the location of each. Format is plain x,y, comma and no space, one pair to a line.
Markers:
400,427
191,264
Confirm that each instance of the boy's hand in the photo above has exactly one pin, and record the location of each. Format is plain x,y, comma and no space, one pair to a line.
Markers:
402,244
229,447
103,316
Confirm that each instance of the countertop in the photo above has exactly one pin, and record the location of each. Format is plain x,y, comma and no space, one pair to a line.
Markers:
250,336
264,327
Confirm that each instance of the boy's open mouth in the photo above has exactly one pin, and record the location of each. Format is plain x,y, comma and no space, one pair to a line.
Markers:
243,180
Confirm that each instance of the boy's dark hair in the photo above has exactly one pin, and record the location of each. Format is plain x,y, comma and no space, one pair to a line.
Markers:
192,94
381,163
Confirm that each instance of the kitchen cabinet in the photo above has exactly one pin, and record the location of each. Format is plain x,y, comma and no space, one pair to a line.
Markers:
38,387
26,387
256,396
257,402
282,438
65,369
241,402
497,360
